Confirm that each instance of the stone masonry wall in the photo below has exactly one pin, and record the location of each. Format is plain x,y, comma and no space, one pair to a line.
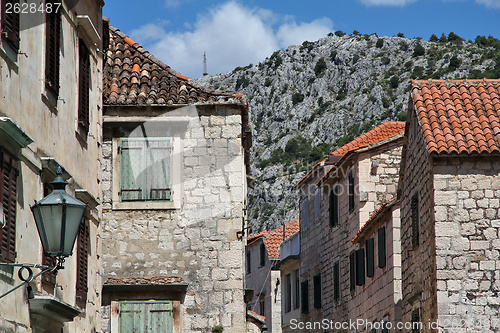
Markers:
418,264
197,242
467,218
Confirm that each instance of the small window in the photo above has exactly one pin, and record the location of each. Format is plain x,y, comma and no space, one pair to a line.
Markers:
317,291
334,207
52,49
304,214
370,257
82,261
414,221
83,86
381,247
352,271
297,290
351,191
146,169
8,204
249,265
10,22
304,295
336,281
262,307
262,254
288,293
317,205
360,267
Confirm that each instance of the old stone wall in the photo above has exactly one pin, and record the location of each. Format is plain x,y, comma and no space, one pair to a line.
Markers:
198,241
467,222
418,263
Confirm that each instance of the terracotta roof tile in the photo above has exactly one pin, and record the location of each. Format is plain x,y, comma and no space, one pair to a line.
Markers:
459,117
273,238
133,76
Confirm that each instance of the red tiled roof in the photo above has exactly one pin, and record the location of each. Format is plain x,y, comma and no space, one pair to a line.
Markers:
256,315
151,280
133,76
373,218
459,117
273,238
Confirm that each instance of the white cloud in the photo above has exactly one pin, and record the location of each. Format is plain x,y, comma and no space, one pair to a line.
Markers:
231,35
387,2
490,3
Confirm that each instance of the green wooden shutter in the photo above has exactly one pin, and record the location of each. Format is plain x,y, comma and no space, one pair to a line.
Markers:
334,207
360,267
370,258
146,317
317,291
352,270
336,281
381,247
131,164
304,290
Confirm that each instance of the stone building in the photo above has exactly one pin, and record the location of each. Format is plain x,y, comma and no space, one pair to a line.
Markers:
50,117
263,279
450,194
174,197
337,198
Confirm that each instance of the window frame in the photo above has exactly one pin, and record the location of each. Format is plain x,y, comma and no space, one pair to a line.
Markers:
53,22
84,85
176,180
14,38
10,165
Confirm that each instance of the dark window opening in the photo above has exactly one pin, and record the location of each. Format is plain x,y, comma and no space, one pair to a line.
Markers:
352,270
304,288
351,191
381,247
262,255
334,207
249,265
336,281
317,291
83,86
370,257
360,267
52,51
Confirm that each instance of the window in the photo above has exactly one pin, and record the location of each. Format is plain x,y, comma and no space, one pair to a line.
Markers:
82,255
351,191
52,49
336,281
381,247
8,196
304,212
334,207
146,169
414,220
317,291
262,254
297,290
416,323
146,316
10,23
370,257
262,307
249,265
317,205
360,267
288,293
83,86
352,271
304,295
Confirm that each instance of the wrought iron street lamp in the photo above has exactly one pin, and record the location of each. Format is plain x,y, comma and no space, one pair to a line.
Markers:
57,218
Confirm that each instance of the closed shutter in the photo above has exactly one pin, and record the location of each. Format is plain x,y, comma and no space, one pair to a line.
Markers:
297,289
381,247
304,214
82,261
336,281
10,23
414,220
351,191
317,291
360,267
146,317
304,295
83,86
352,270
8,195
288,293
146,169
52,51
317,205
370,257
262,255
334,207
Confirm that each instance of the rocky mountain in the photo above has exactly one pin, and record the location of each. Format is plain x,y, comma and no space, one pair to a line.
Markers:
309,99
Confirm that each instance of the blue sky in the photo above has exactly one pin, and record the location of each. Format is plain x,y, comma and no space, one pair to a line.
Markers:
236,33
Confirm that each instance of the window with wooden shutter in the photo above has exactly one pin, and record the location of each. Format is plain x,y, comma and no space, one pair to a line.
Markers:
83,86
352,271
297,289
288,293
146,316
8,195
52,49
336,281
249,263
414,220
262,254
370,257
82,261
10,22
360,267
304,295
146,169
334,207
381,247
317,291
351,191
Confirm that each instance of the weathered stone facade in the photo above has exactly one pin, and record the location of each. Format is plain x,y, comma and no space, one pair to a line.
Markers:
199,241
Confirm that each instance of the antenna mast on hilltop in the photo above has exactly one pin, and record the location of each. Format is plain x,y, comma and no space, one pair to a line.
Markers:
205,64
